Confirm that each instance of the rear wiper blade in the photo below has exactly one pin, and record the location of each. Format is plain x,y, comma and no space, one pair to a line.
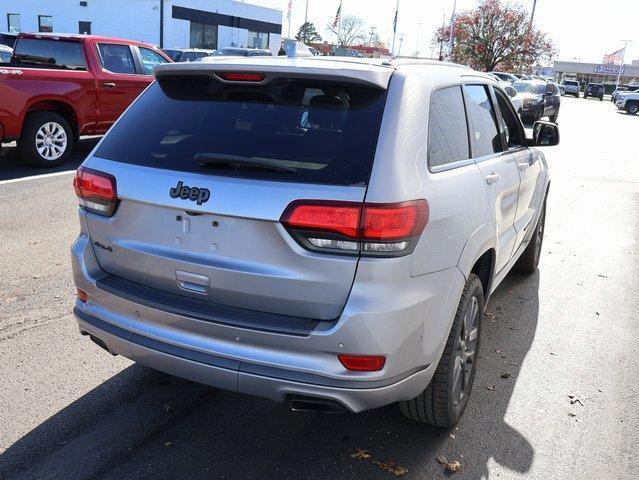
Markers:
220,159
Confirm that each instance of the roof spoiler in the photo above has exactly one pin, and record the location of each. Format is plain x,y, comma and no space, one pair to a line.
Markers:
297,68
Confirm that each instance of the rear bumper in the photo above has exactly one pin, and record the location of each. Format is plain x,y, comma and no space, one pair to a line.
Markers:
403,318
277,384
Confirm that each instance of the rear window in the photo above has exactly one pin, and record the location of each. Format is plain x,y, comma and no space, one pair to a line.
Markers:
571,83
50,53
292,130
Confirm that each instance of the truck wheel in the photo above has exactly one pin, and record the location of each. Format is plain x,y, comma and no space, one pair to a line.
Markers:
632,108
46,140
444,400
529,259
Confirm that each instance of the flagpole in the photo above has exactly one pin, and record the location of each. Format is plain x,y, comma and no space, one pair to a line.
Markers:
290,2
395,29
450,37
623,56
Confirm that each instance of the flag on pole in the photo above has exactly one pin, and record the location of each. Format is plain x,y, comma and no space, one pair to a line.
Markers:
614,57
338,15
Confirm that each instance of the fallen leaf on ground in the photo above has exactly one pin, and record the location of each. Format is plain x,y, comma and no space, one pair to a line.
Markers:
168,444
392,467
492,316
497,350
514,364
553,353
602,276
570,414
452,435
167,407
452,467
491,387
506,375
361,454
575,399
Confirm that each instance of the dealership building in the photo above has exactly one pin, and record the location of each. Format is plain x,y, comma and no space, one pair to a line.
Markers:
207,24
587,73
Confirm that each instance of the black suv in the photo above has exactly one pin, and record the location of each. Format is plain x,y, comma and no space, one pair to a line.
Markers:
594,90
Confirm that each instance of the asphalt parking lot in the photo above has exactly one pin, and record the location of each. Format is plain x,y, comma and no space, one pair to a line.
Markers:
566,338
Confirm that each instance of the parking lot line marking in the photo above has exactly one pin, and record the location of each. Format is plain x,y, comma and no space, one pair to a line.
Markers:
36,177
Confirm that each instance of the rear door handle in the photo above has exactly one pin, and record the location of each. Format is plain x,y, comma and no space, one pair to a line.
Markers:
108,84
493,178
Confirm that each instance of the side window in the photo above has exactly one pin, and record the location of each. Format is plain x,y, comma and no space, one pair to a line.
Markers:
509,123
447,128
150,59
116,58
486,138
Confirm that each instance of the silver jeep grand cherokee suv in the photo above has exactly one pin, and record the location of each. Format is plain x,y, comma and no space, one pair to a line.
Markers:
311,230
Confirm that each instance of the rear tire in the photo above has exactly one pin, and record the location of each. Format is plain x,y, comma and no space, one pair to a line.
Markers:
46,140
529,259
444,400
632,108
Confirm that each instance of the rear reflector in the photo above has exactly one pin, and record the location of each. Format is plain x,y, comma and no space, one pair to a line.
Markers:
241,77
350,227
82,295
96,191
363,363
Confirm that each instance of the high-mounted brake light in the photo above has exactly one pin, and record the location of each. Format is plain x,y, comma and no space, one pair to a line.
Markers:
350,227
363,363
96,191
241,76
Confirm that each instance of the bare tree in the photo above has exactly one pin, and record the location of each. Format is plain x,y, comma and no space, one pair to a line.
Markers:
349,31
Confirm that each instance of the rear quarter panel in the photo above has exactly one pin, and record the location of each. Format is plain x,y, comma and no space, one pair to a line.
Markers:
456,197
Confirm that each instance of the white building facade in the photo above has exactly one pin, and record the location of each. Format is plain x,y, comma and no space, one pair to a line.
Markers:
168,23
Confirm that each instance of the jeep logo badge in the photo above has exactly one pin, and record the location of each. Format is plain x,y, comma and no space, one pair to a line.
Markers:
199,195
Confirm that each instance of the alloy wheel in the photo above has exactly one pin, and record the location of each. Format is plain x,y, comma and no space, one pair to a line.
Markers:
51,141
465,353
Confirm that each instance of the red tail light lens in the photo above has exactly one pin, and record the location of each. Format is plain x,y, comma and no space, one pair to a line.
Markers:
336,217
363,363
242,77
394,221
350,227
96,191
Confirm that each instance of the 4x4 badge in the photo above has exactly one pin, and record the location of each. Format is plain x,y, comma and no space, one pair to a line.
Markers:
196,194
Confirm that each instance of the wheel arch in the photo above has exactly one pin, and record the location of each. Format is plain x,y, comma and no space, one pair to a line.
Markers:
60,107
478,256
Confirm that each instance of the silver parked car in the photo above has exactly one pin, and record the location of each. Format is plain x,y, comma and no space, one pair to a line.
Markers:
317,231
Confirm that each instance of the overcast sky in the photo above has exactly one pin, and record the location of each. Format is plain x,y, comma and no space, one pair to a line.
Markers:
581,29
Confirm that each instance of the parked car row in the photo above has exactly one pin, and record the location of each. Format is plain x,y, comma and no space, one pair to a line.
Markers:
593,89
196,54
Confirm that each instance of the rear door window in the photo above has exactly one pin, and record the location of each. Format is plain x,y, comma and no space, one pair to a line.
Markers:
485,136
447,129
289,129
50,53
116,58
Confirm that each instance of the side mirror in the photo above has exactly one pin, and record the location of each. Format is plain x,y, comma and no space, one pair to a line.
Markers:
510,91
545,134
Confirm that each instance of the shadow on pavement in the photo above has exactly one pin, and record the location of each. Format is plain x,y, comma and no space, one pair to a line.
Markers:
143,424
13,167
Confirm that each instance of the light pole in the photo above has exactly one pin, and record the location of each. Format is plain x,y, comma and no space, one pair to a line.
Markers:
395,28
532,14
306,13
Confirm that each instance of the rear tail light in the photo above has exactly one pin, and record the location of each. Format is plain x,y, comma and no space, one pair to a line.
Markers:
363,363
96,191
372,229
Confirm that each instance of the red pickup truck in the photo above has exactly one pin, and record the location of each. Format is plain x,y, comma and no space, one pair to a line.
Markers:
58,87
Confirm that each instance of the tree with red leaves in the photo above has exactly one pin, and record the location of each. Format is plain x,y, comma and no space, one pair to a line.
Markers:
496,35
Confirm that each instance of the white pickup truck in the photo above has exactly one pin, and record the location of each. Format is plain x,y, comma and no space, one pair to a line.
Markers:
628,101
